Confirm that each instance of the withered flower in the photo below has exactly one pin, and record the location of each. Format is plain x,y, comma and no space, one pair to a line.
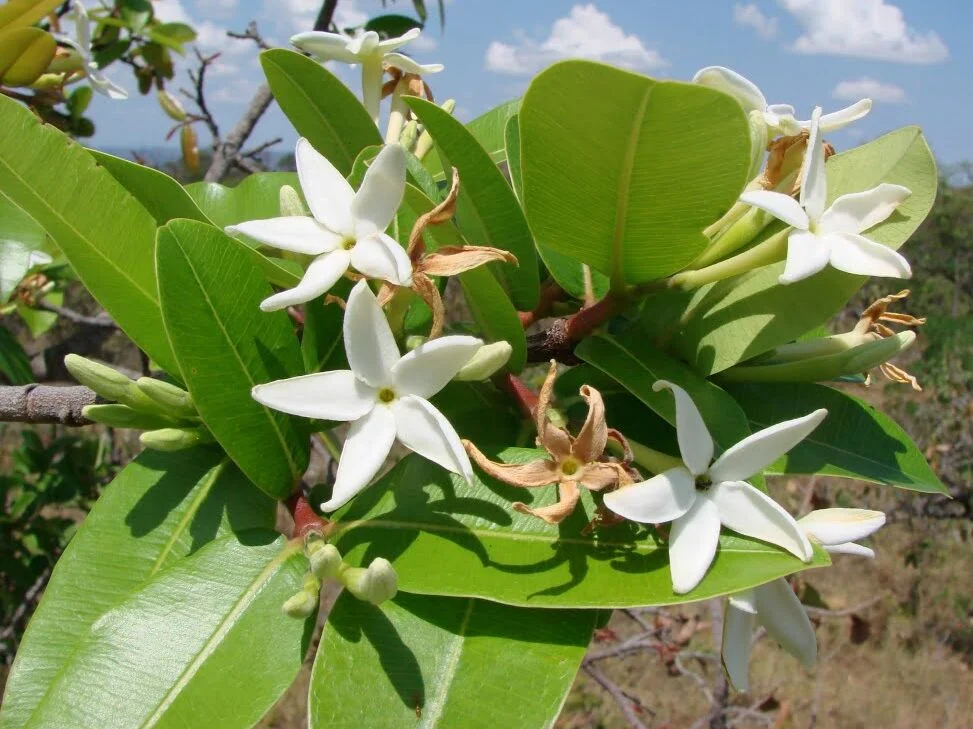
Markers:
571,461
871,327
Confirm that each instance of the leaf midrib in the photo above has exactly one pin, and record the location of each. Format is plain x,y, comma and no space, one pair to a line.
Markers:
433,710
243,368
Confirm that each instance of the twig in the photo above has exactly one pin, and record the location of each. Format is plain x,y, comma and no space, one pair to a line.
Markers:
30,598
45,404
325,15
721,687
261,147
199,93
816,612
227,152
99,320
251,33
625,702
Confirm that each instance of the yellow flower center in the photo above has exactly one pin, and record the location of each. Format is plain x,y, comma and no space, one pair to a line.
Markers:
570,466
386,395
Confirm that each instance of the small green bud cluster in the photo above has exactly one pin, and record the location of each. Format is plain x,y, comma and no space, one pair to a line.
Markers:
164,411
375,583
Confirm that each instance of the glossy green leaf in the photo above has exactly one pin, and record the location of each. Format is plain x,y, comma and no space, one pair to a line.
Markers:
21,239
203,643
160,508
160,194
24,55
211,292
256,197
392,25
14,363
445,662
494,313
322,344
487,210
489,129
39,321
856,440
107,236
448,538
637,365
628,192
735,320
319,106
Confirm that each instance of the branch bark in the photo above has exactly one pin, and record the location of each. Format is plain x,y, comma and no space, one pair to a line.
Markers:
227,150
45,404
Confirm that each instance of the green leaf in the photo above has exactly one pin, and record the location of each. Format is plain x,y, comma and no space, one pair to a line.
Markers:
107,236
21,239
211,292
392,25
319,106
173,35
203,643
856,440
438,662
14,363
487,210
448,538
255,198
489,129
160,194
734,320
322,343
160,508
494,313
637,365
628,192
24,55
19,13
39,321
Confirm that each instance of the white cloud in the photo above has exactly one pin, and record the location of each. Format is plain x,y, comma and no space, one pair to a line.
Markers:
171,11
862,28
424,43
750,16
865,87
585,33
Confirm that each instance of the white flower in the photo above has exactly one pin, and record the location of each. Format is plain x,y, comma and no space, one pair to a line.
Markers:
833,235
82,44
703,494
383,395
779,118
776,607
347,228
368,50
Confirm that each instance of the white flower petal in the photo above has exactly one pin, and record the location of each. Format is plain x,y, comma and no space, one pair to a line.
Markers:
781,109
755,452
381,191
297,233
751,512
369,344
406,64
695,442
738,628
337,395
843,117
851,548
732,83
394,43
781,206
325,46
81,29
814,183
321,275
660,499
104,85
692,544
836,526
860,211
424,430
365,44
367,446
785,619
381,256
853,253
807,254
328,194
426,369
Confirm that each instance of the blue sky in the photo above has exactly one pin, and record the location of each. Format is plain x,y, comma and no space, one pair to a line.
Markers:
912,57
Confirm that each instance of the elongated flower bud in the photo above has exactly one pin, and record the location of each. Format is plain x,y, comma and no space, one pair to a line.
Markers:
409,135
175,439
122,416
487,361
171,105
176,401
290,202
424,144
110,384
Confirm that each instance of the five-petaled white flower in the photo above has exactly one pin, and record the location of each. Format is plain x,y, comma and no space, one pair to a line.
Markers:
702,494
82,44
776,607
383,395
779,118
348,227
368,50
833,235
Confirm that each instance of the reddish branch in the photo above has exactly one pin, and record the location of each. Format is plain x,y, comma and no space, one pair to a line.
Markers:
306,521
558,340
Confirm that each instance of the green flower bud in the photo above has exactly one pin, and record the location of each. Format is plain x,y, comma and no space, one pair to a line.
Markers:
409,135
376,584
110,384
122,416
325,561
175,439
425,139
174,400
290,202
301,605
488,360
171,106
415,341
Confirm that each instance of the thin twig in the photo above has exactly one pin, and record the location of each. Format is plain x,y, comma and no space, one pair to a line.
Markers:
262,147
98,320
626,703
251,33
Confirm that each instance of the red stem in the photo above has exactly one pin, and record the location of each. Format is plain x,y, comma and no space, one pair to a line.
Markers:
305,520
526,400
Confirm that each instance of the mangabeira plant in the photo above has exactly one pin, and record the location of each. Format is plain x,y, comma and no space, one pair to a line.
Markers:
631,235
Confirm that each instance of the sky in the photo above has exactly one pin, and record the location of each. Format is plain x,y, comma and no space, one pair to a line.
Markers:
913,58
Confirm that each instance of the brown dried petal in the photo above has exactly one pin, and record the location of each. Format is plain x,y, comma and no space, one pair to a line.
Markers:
544,399
591,440
568,495
452,260
429,292
616,435
439,214
598,476
526,475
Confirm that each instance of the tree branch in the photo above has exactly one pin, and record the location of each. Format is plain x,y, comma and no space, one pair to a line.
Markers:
99,320
45,404
325,15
